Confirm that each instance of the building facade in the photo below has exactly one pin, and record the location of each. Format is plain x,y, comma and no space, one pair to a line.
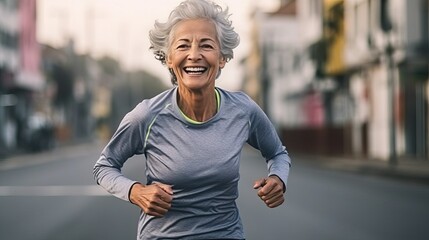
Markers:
348,77
387,58
20,75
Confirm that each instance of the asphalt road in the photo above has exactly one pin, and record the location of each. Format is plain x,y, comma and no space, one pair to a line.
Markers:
52,196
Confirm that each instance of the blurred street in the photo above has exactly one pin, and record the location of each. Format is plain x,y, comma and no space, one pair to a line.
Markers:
344,82
52,195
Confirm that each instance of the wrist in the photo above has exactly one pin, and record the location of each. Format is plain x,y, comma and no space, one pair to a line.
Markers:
130,192
280,181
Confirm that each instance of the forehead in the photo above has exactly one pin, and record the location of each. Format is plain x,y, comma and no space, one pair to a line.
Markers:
195,28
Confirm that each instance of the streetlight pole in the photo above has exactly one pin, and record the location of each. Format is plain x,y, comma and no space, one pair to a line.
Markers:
387,26
392,100
265,77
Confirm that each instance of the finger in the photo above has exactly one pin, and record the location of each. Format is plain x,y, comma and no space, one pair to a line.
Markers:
271,187
155,210
266,189
273,199
165,192
272,191
154,193
154,206
279,181
155,196
166,188
161,206
276,203
164,197
161,197
259,183
160,202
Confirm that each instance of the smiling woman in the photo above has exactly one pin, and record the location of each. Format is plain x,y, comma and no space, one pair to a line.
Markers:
195,52
195,60
192,136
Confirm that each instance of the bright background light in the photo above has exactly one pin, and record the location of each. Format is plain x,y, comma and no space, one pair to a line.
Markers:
119,28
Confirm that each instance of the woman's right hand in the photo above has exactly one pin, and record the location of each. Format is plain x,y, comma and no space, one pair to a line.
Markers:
155,199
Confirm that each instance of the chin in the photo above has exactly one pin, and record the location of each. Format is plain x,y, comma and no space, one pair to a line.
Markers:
195,84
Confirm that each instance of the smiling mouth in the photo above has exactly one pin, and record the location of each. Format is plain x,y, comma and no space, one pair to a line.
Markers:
195,70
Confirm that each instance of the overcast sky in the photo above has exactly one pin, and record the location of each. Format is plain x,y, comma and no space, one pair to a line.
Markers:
119,28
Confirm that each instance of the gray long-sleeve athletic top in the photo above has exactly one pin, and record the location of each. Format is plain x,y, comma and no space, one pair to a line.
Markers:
199,160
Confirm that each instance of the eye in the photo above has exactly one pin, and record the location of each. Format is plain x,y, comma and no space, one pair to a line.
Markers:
207,46
182,46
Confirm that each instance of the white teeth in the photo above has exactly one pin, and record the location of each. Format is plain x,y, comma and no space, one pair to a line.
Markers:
195,69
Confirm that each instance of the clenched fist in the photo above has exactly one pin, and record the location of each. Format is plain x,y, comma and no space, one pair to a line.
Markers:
155,199
270,191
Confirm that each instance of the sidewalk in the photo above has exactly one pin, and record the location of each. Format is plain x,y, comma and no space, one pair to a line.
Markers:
22,159
405,169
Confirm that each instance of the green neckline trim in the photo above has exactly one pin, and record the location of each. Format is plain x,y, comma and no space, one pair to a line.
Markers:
188,119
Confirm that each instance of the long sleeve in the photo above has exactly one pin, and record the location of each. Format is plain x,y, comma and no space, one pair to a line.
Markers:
264,137
126,142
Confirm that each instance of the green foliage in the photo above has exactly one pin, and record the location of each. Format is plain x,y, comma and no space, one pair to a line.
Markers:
109,65
131,89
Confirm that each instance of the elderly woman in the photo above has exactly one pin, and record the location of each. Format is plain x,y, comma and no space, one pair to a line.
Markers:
192,136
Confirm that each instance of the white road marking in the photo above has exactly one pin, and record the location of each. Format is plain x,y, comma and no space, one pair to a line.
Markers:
52,191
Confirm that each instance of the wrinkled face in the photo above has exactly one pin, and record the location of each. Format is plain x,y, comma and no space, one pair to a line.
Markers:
194,54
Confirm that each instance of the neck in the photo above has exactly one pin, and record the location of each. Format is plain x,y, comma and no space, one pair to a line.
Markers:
199,106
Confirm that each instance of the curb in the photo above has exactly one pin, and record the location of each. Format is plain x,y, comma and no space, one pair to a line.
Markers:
405,170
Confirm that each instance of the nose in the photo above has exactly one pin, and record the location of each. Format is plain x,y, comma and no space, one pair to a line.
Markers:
194,53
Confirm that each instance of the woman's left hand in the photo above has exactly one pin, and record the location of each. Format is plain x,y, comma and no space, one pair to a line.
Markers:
270,190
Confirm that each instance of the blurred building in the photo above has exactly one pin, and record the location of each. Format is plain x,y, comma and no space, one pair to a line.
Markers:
386,58
72,84
20,76
346,77
273,80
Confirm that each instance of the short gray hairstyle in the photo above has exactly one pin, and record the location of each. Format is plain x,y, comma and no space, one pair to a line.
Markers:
161,35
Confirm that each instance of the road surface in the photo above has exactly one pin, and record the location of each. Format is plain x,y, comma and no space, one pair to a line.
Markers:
52,196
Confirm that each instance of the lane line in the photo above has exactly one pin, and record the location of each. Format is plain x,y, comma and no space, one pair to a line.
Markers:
52,191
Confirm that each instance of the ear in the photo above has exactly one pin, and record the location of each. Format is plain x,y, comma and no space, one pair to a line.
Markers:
168,61
222,62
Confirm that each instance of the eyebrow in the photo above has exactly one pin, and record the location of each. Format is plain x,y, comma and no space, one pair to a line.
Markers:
202,40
